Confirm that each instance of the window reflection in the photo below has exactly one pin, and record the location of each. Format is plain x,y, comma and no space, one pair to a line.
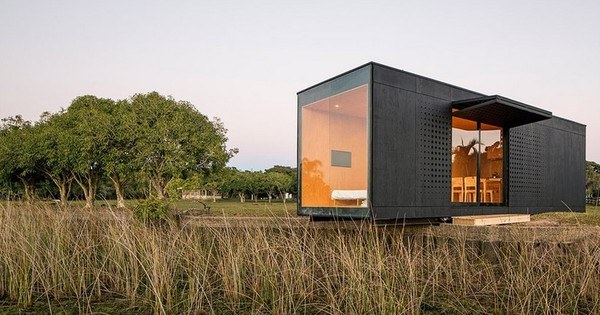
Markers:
491,164
465,147
477,152
334,150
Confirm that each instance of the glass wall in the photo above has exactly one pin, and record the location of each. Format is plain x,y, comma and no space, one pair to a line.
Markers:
491,164
334,150
477,162
465,148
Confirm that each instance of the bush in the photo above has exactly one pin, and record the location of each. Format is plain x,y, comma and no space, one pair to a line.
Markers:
152,210
172,188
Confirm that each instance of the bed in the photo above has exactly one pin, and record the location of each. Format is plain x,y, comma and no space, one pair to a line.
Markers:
359,195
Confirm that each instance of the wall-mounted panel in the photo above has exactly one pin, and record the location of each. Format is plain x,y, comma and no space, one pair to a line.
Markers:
547,166
461,94
433,88
393,146
527,166
433,138
395,78
566,168
565,125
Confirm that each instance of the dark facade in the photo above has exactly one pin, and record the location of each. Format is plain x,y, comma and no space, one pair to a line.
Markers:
377,142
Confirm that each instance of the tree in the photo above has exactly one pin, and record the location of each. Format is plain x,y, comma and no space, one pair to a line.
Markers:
269,184
174,139
291,183
257,183
280,183
57,152
592,183
239,183
119,161
88,121
226,178
213,182
19,154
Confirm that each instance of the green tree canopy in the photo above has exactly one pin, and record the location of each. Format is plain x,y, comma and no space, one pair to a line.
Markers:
148,137
19,154
119,161
592,183
174,139
88,121
58,152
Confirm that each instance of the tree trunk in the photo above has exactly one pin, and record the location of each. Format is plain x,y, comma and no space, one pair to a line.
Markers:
242,197
88,188
282,194
28,190
159,187
63,183
120,198
91,195
64,188
118,191
269,195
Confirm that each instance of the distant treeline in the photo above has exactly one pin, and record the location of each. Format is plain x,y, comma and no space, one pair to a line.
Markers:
127,148
276,182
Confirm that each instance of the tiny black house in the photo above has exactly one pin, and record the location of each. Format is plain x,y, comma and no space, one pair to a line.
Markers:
378,142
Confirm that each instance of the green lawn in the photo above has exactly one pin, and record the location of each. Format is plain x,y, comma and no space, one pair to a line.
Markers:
234,208
228,208
262,208
591,216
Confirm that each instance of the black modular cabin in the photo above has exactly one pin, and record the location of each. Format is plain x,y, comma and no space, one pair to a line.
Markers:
381,143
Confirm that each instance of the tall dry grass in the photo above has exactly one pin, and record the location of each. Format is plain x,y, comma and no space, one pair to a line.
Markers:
57,255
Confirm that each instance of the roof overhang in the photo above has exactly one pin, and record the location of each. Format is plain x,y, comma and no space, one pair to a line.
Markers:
498,111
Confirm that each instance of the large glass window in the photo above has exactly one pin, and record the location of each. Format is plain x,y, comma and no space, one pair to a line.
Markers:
334,150
477,162
491,162
465,148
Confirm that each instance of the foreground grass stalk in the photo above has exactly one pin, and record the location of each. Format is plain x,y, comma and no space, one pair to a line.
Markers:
56,257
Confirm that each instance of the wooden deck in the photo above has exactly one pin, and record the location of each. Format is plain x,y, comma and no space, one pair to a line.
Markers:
491,219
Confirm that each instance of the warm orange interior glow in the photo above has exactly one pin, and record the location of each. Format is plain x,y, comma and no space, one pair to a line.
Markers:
465,124
468,145
335,123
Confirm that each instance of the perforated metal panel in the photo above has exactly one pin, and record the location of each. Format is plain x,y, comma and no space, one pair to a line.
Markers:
527,165
434,141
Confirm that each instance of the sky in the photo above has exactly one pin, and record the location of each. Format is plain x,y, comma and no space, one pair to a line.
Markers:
244,61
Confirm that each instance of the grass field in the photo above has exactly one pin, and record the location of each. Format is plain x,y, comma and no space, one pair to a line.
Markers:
590,217
262,208
231,208
227,208
104,261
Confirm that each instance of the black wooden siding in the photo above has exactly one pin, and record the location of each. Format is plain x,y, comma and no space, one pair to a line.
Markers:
410,171
411,148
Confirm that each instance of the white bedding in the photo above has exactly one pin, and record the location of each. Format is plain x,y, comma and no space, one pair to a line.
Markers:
348,194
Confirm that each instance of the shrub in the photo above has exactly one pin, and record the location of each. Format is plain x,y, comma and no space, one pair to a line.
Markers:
152,210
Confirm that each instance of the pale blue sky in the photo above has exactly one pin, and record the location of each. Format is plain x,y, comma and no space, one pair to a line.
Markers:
244,61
